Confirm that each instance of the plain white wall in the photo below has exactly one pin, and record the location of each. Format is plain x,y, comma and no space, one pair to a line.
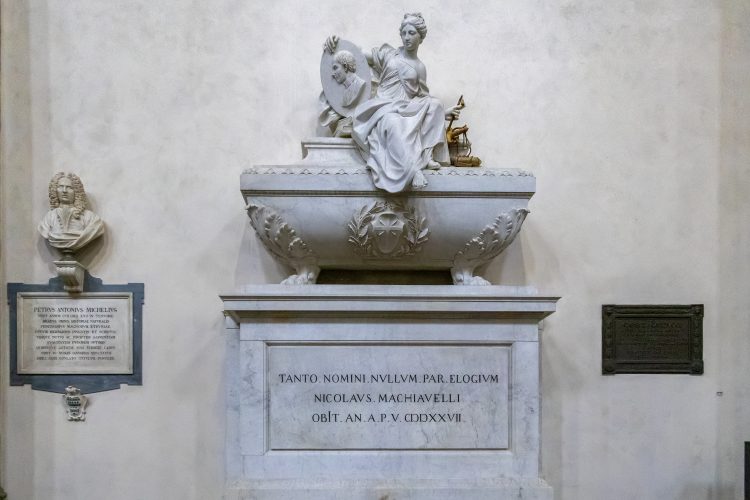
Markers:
632,115
734,277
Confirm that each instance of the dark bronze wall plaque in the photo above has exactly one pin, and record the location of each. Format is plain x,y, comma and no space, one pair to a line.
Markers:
652,339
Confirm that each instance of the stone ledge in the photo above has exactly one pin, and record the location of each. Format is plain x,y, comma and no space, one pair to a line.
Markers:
519,302
499,489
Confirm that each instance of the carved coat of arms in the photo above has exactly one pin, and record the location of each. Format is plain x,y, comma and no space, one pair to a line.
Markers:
387,229
75,404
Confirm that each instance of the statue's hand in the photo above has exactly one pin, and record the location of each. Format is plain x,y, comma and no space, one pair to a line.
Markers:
330,44
453,112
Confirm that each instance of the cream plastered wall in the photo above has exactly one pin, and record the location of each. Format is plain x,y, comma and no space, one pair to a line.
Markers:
632,115
734,423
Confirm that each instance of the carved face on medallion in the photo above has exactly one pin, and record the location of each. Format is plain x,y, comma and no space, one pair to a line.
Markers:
343,63
338,72
346,77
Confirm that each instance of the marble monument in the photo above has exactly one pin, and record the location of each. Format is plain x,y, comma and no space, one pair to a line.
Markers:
74,333
384,391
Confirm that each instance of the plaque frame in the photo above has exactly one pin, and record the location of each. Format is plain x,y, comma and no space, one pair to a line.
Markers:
87,383
692,364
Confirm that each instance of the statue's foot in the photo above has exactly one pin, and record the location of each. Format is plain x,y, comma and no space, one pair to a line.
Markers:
418,182
433,165
474,281
306,275
299,279
465,276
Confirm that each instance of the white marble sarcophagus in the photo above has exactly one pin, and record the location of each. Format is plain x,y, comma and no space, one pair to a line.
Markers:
325,212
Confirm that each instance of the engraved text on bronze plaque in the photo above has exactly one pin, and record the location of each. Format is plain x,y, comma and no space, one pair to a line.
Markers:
652,339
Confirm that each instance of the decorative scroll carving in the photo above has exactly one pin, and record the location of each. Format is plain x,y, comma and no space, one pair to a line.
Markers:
282,241
486,246
387,230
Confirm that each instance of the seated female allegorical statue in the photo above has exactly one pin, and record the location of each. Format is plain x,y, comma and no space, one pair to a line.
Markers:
400,131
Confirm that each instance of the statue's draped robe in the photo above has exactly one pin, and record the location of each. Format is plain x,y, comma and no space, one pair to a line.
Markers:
402,127
64,231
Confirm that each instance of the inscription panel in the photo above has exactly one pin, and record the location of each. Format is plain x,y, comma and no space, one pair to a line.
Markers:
652,339
88,333
388,396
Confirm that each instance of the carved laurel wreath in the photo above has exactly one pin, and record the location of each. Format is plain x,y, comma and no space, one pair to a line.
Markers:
362,237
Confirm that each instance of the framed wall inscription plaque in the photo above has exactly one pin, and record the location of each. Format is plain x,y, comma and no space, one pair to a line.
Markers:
91,340
652,339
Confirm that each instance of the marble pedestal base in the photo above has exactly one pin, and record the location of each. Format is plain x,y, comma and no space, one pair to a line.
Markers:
379,391
324,212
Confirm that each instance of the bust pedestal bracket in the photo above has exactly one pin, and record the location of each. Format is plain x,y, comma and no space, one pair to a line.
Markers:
71,272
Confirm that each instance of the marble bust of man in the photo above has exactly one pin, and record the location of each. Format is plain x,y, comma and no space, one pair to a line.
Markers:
344,71
69,225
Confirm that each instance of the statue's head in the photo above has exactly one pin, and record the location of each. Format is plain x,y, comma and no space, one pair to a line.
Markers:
343,63
66,189
413,30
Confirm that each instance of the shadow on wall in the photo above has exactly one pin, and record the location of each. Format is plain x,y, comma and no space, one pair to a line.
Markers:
89,256
508,268
26,149
556,365
517,264
702,492
255,265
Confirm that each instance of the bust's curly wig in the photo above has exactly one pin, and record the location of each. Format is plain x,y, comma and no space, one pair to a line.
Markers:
80,202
